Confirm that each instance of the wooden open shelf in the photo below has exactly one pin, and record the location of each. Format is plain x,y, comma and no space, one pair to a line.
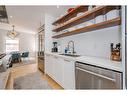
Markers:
88,15
71,14
105,24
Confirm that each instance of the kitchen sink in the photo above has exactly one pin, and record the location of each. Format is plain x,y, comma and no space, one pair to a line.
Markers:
72,55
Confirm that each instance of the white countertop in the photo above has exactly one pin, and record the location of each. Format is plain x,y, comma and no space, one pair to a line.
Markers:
113,65
105,63
63,56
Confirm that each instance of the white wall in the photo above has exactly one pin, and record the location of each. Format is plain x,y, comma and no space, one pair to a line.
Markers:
95,43
48,32
26,42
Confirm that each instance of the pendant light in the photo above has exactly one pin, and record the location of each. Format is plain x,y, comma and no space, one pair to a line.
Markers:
12,34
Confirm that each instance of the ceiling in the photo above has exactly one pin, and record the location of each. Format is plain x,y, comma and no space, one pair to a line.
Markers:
29,18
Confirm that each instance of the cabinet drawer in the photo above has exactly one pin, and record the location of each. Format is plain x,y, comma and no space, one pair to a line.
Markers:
99,70
94,77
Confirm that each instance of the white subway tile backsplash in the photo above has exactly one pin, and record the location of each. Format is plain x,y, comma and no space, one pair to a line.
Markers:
95,43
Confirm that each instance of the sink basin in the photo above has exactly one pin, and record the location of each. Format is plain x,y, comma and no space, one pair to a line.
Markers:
72,55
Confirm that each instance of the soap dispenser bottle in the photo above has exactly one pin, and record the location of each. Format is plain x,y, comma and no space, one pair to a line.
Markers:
65,50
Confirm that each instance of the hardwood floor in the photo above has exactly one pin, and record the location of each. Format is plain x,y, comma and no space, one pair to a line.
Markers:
26,69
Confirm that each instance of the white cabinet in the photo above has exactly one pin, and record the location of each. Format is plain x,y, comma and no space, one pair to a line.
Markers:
54,68
58,69
61,70
48,65
68,74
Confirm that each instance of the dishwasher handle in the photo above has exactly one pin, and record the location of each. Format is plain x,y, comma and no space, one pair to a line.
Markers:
95,74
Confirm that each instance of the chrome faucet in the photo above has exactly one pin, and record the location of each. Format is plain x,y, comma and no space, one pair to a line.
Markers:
73,51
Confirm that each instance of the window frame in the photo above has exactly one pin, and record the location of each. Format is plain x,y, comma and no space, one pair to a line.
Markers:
12,44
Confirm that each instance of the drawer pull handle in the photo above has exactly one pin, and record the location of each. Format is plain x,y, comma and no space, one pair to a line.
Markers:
102,76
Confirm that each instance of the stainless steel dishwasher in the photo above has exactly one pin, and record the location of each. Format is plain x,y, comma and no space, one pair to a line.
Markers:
94,77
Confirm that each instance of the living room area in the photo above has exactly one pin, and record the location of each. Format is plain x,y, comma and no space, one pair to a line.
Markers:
17,48
22,47
15,55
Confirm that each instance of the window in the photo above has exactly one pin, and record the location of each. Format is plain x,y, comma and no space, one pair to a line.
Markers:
12,45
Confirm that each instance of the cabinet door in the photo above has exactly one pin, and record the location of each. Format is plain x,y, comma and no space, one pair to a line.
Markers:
68,74
48,65
54,67
51,64
58,69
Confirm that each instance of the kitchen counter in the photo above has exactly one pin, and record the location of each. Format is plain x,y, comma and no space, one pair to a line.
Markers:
105,63
63,56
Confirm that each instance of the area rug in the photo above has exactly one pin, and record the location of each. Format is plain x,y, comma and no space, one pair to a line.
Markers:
31,81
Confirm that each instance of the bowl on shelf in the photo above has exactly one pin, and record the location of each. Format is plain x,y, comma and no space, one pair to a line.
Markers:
90,7
99,19
113,14
64,31
80,14
90,22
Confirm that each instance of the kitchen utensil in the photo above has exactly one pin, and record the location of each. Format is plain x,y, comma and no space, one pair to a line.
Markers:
115,52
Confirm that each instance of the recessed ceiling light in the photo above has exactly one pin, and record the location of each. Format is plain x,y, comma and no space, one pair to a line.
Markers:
10,16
